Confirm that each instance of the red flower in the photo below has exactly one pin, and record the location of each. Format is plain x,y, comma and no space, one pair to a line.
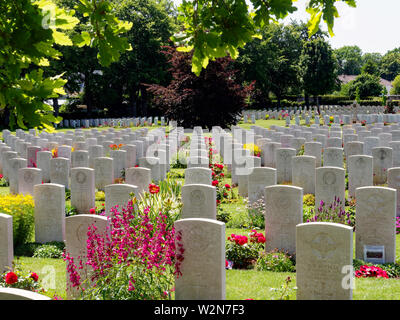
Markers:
11,278
34,276
261,239
92,210
154,188
1,176
227,186
215,183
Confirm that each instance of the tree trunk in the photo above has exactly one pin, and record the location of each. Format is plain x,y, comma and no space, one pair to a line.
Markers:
6,117
279,101
317,99
144,100
88,97
307,99
56,107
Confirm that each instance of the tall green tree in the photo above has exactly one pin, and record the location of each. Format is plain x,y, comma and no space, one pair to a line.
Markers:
318,68
216,28
145,64
390,65
367,85
349,60
370,67
272,61
30,30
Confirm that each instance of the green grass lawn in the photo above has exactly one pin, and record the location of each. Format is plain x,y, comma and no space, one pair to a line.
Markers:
269,123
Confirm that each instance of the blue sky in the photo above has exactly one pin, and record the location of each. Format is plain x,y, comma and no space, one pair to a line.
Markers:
373,26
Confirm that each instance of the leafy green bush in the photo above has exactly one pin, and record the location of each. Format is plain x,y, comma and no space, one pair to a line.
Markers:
3,181
223,216
70,210
238,219
27,249
276,261
21,208
53,249
175,175
48,251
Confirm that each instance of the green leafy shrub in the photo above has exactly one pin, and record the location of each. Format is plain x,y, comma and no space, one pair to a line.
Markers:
3,181
27,249
48,251
223,216
276,261
175,175
21,208
53,249
70,210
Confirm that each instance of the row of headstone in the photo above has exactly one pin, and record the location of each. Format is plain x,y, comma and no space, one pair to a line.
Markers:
112,122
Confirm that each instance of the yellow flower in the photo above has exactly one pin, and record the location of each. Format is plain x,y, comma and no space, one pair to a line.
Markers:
254,149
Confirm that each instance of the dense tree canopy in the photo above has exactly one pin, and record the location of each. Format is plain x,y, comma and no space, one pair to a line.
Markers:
349,59
214,28
390,65
214,98
368,85
318,68
272,61
30,30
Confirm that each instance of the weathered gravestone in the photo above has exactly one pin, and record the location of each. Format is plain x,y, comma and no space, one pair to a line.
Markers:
140,177
283,161
198,176
329,185
49,212
76,229
314,149
360,173
303,173
118,195
27,179
394,183
324,256
103,172
199,201
375,224
258,179
59,171
43,163
333,157
382,161
203,267
14,165
283,211
243,172
82,189
151,163
6,242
